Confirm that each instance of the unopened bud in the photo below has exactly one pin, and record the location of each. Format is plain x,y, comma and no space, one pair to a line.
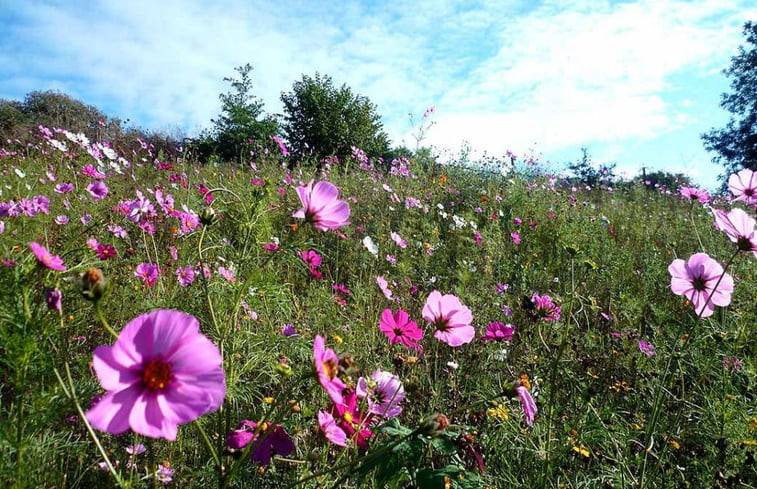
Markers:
435,424
208,216
93,284
283,369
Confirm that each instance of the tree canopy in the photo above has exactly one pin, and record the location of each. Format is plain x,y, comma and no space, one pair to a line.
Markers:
736,144
322,120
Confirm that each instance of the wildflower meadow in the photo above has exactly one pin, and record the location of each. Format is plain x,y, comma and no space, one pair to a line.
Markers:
362,323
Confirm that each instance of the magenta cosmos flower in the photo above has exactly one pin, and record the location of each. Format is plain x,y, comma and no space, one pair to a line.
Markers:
529,406
326,368
275,441
450,317
384,392
98,190
161,372
497,331
740,227
399,328
693,193
53,262
696,280
321,206
743,186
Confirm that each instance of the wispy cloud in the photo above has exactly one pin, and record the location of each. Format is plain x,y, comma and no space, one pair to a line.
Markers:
503,75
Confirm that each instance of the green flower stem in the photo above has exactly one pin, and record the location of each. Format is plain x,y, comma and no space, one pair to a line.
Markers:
70,392
209,444
101,317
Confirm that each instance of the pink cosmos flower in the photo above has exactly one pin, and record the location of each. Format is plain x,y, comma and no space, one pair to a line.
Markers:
148,273
275,441
228,274
497,331
161,372
646,348
693,193
529,406
398,240
351,420
53,262
384,393
321,206
326,363
384,286
515,237
98,190
105,251
331,430
450,317
740,227
545,309
743,185
185,275
696,280
64,188
311,258
399,328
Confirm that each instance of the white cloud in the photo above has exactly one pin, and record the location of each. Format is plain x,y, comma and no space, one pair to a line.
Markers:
502,77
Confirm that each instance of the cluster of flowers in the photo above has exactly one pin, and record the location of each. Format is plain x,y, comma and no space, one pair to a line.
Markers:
701,279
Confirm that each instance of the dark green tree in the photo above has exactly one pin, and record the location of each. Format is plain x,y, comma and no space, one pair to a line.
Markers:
585,172
322,120
735,145
241,119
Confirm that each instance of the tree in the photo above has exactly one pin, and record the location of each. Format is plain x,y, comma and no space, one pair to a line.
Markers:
241,119
322,120
585,172
736,144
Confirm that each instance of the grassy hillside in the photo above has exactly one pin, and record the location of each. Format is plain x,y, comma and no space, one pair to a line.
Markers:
632,387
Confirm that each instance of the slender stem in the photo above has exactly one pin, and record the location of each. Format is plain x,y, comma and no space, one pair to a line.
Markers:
101,317
209,444
70,392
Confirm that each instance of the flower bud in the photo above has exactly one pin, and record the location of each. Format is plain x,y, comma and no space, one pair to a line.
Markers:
208,216
435,424
93,284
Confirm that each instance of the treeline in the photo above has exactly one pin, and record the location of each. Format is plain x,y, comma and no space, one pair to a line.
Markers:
321,122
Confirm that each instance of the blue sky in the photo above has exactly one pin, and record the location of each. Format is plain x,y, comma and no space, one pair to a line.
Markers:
636,82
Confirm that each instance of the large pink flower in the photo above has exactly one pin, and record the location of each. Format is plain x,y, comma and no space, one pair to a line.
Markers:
161,372
399,328
450,317
53,262
321,206
740,227
326,365
696,280
743,185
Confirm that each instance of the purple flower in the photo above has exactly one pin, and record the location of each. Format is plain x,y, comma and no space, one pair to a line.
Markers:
53,262
98,190
497,331
743,185
646,348
693,193
384,392
164,473
696,280
61,220
529,406
515,237
321,206
740,228
148,273
185,275
64,188
53,299
275,440
450,317
161,372
545,308
288,330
